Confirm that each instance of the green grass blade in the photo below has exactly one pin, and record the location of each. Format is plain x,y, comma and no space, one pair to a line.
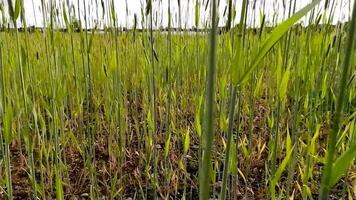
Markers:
275,36
59,189
197,13
186,141
279,172
332,137
208,124
342,164
167,145
8,124
17,9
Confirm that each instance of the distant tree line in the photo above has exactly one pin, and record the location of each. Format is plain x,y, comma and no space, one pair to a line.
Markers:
76,27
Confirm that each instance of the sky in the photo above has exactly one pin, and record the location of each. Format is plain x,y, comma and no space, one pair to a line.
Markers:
126,10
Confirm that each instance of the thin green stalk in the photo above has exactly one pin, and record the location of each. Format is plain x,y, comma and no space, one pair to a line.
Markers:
29,141
208,135
295,137
229,141
117,90
233,95
50,83
332,137
90,107
6,132
19,63
2,99
8,172
275,138
152,100
168,90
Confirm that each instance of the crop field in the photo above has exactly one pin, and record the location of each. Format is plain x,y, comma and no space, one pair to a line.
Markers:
219,112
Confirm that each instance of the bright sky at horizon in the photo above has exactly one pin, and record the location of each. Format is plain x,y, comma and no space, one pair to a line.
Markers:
274,10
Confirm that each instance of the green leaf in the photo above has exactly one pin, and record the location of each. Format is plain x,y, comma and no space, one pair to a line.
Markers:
342,135
258,87
59,189
197,121
341,165
17,9
23,55
277,34
181,164
167,145
284,85
232,161
197,13
307,192
113,13
279,66
245,151
324,87
278,174
230,14
311,148
280,169
223,122
288,141
90,45
11,9
150,121
186,142
65,16
8,124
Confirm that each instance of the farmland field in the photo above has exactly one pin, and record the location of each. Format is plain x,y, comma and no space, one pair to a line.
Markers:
229,113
